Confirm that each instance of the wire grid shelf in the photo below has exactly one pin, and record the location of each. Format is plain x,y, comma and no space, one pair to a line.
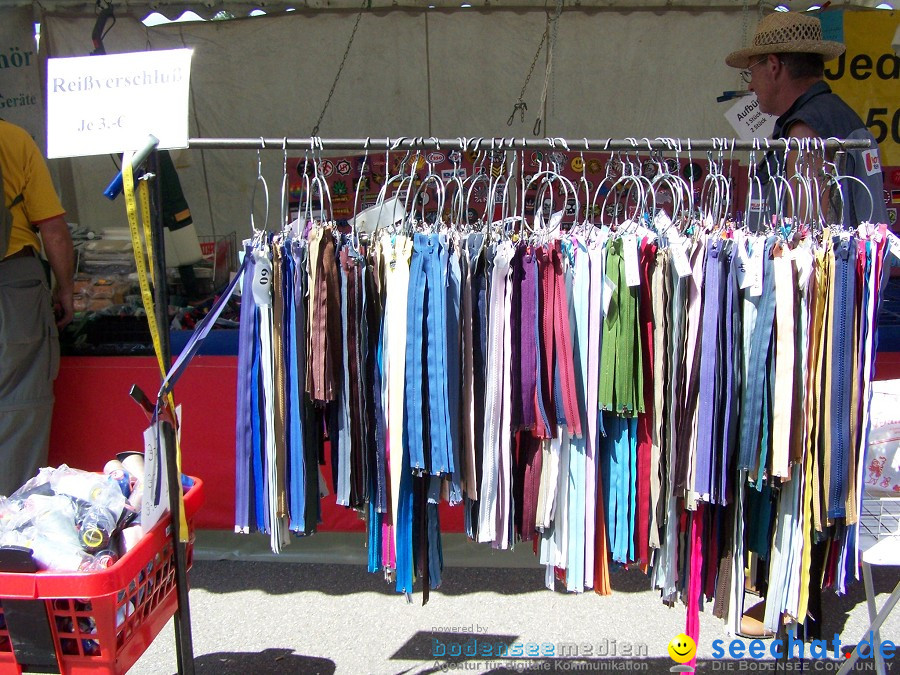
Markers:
880,518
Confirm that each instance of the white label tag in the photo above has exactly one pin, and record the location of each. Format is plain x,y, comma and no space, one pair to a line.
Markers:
262,280
555,220
630,256
644,233
240,287
894,248
803,260
608,288
679,257
742,267
755,269
662,222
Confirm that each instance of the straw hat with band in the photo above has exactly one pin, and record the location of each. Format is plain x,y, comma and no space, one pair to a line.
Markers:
782,32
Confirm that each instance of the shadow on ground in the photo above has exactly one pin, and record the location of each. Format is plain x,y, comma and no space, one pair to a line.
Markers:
278,578
267,661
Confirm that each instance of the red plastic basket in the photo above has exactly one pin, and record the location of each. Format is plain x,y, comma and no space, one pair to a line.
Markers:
103,621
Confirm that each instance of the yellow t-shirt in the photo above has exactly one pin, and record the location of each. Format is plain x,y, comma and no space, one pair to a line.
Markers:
25,172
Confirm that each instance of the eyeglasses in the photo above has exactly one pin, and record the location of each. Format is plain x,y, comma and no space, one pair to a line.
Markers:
747,75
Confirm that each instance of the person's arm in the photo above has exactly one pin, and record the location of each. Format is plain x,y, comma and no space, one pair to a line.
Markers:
61,256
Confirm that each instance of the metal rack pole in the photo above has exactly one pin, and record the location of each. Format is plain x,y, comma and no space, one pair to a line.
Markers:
681,145
184,646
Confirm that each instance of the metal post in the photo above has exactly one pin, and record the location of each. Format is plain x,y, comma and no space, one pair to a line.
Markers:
184,648
681,145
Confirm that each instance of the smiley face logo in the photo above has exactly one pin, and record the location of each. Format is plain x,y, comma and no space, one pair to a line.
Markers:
682,648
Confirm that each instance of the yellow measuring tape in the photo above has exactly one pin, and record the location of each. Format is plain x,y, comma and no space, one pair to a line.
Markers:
141,260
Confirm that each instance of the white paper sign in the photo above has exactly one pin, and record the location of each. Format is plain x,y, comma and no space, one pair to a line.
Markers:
155,479
99,105
156,476
748,120
20,81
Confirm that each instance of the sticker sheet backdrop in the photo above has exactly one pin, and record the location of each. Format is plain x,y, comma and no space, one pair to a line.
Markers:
20,85
342,175
591,167
867,77
587,171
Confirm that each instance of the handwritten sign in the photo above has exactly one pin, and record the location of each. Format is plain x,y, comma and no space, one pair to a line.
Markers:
748,120
99,105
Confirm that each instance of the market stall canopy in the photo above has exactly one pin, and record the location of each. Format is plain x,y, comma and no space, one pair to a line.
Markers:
208,9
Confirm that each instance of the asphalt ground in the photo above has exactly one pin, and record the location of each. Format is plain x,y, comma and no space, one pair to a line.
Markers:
316,609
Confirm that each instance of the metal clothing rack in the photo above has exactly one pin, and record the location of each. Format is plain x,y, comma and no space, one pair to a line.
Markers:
509,143
184,640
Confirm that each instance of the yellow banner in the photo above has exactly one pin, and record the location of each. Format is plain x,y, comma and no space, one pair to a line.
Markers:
867,76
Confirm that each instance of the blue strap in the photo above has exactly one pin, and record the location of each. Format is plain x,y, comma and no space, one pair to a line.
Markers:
201,331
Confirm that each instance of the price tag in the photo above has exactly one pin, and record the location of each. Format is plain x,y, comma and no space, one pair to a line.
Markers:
679,257
262,280
894,242
630,256
555,220
755,268
608,288
241,253
742,263
662,222
803,260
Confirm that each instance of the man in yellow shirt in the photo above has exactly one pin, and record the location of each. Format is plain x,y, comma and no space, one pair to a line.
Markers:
29,346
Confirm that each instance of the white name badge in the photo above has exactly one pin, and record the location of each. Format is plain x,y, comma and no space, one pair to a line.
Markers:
101,105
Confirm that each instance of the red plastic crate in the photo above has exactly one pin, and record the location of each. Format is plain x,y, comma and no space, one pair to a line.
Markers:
103,621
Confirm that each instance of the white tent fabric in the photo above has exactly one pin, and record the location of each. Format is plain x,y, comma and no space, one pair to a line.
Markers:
444,74
207,9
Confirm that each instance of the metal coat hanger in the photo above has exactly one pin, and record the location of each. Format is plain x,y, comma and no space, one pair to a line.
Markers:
545,179
458,201
834,178
354,230
508,222
260,180
285,188
389,180
441,193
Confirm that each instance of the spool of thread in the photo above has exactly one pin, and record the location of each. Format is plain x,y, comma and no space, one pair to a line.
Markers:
113,465
137,496
94,537
133,461
105,558
124,479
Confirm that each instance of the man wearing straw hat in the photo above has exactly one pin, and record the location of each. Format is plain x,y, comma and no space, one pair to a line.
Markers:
785,67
